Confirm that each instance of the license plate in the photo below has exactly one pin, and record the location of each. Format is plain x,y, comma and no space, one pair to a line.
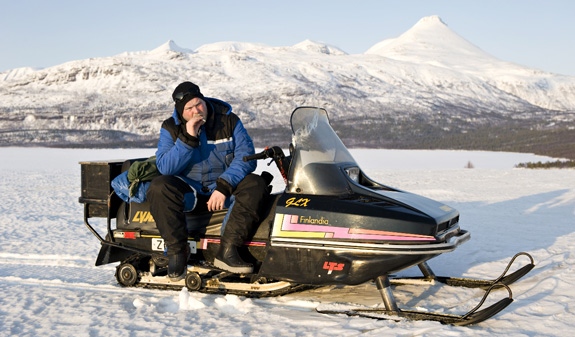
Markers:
158,245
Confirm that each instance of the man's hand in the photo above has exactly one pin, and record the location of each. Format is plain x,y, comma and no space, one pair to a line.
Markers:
193,125
217,201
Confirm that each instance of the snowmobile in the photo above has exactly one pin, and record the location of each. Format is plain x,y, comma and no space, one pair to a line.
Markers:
331,225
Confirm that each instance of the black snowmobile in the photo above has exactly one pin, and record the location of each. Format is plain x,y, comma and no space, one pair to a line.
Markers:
332,225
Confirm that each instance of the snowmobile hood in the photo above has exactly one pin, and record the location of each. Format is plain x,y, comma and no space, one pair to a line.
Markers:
433,209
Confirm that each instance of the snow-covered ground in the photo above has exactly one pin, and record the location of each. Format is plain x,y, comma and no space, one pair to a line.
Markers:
50,287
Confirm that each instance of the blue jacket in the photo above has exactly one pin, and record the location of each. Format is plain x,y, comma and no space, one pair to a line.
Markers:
214,160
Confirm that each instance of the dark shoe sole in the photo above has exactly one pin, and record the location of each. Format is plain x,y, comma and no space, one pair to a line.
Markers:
236,270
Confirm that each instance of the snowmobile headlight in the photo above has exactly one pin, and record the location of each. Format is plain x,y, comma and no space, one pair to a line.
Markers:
353,173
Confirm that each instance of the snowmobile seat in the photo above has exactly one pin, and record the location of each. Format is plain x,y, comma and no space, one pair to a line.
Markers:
137,216
214,220
196,222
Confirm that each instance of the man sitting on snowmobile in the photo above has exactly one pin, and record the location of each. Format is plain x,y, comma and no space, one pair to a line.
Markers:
200,156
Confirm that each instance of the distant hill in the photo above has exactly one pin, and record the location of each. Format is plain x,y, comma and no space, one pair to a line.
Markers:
429,87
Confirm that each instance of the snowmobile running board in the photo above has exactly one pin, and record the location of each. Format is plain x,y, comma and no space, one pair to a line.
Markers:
392,311
203,279
216,284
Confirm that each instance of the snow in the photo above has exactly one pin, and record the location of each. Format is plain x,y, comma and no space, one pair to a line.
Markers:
319,47
231,46
170,46
50,286
431,40
428,70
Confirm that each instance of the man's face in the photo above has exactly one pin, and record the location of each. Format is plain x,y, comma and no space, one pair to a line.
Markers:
195,106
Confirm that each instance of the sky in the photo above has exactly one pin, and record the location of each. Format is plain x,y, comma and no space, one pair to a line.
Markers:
39,33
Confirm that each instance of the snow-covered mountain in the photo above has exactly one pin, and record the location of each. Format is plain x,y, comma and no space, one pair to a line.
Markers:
429,73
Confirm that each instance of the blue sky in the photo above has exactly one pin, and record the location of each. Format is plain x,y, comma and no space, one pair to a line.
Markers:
42,33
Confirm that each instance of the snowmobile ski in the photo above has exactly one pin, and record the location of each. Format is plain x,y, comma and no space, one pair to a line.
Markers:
393,312
503,279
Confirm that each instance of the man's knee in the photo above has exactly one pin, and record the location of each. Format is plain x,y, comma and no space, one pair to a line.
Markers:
157,186
255,180
252,183
166,184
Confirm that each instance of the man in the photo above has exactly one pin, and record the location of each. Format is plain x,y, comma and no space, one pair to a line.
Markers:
200,156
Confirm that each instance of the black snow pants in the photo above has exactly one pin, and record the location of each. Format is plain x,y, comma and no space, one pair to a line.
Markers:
166,196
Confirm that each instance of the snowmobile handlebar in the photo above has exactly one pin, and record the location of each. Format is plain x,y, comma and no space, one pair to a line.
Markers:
274,152
277,154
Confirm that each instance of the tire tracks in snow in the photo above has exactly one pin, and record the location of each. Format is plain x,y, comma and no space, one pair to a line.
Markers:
45,260
57,271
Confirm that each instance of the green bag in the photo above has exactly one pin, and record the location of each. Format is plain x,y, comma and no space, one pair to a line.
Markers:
145,170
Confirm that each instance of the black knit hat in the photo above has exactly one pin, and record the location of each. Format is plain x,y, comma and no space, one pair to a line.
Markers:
184,93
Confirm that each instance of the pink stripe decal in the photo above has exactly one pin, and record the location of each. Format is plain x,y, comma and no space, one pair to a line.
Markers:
254,243
290,224
204,243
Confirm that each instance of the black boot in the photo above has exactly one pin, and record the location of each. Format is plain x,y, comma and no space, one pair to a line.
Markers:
228,259
178,264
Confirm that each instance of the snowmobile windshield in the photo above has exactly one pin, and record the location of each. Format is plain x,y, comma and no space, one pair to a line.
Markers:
319,159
